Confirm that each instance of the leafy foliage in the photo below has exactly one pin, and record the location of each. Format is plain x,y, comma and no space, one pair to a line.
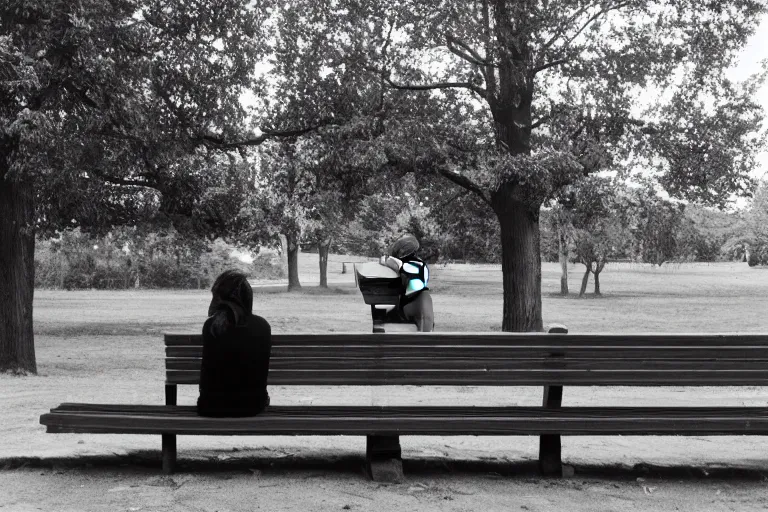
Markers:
121,103
757,221
657,223
131,258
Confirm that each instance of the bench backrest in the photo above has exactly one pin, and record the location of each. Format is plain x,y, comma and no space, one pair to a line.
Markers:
497,359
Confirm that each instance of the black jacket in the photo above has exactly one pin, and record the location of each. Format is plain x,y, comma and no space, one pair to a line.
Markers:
233,374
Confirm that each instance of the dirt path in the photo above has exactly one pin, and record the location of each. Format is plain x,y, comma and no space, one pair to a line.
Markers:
310,485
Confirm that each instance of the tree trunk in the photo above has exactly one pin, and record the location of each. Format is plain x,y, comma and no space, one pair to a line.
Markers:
283,250
520,262
598,268
17,276
292,242
597,283
584,282
562,257
322,249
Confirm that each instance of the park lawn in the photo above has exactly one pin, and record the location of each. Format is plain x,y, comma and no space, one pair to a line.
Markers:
103,346
696,297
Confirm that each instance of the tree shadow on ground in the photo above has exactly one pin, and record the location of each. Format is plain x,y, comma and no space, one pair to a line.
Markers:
346,464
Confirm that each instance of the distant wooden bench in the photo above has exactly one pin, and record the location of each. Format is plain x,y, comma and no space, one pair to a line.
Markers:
347,266
459,359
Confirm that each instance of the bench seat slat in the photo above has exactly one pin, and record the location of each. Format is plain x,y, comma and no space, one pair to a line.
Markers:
325,410
379,351
497,338
437,363
501,377
368,420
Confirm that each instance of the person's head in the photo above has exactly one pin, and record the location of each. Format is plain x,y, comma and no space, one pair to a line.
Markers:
232,301
404,246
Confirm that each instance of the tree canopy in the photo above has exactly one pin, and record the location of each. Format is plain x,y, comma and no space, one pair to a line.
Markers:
127,105
135,108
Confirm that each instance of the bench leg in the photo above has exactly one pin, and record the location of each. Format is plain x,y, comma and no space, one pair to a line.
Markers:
549,444
170,394
383,459
169,453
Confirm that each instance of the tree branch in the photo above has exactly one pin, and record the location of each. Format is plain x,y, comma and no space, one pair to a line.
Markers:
221,143
561,29
463,181
426,87
384,49
440,85
456,51
550,64
490,76
429,164
468,53
599,13
540,121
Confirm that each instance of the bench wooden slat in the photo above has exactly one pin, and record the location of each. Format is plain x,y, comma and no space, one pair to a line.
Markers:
432,363
497,338
400,410
500,377
422,421
376,351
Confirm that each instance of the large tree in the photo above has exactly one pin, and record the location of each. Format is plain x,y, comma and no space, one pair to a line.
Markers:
559,224
598,224
757,225
657,224
531,95
115,111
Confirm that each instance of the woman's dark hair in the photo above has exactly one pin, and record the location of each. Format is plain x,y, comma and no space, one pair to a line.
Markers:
232,302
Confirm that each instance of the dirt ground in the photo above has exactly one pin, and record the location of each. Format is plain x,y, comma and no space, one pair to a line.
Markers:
106,347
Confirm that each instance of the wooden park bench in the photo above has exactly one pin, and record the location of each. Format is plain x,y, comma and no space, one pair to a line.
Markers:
459,359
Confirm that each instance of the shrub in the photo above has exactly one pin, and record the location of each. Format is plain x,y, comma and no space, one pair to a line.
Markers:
267,265
758,255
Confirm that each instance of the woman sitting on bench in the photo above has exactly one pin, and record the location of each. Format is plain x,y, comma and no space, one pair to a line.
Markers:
236,350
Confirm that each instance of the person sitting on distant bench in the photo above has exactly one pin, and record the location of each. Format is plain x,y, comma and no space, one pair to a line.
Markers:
236,351
415,303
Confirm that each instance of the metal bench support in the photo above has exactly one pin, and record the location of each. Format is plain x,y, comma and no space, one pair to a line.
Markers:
169,453
549,444
550,450
383,459
169,440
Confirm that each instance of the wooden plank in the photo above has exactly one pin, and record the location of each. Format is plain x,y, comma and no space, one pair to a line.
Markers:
498,339
501,377
433,421
438,363
378,351
427,411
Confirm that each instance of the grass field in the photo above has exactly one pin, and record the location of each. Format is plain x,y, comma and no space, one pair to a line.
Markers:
722,297
98,346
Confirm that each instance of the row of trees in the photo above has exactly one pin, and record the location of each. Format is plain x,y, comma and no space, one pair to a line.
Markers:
596,221
132,258
135,108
